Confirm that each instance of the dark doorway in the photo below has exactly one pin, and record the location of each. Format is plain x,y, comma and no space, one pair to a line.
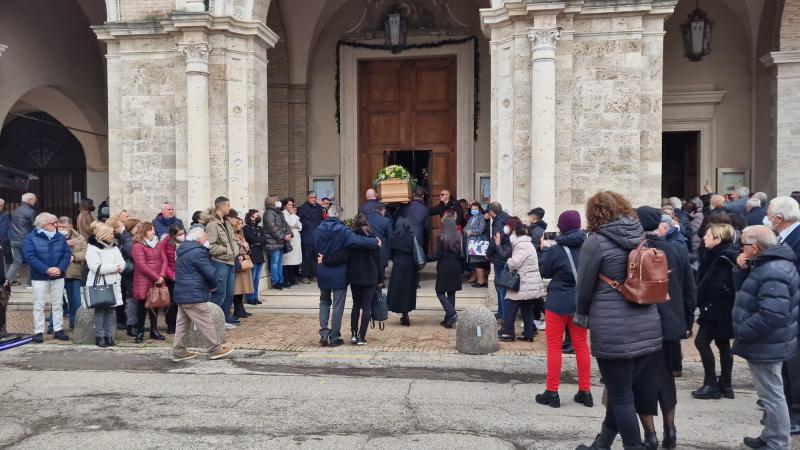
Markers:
417,162
680,156
53,154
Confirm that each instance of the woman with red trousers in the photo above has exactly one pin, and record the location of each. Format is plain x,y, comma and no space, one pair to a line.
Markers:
559,262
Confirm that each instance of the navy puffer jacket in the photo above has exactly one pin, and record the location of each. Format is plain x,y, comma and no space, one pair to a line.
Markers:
620,329
331,237
765,311
554,264
42,253
194,274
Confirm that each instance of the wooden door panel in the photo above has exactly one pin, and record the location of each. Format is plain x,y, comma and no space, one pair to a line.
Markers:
433,128
432,86
384,128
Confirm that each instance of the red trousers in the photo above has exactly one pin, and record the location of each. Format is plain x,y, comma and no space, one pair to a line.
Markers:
554,330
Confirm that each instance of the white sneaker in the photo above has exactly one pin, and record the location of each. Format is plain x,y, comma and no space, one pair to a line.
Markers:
539,324
229,326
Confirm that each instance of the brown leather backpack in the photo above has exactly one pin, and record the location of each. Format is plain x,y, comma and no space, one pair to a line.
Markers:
647,282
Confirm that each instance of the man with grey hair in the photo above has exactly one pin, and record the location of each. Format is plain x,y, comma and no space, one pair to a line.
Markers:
765,325
762,197
738,204
165,220
21,226
755,211
783,217
331,237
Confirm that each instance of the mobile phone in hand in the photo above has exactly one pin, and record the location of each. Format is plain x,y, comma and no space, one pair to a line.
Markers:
549,235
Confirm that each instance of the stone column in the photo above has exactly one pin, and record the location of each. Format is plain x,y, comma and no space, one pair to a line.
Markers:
787,119
198,167
543,115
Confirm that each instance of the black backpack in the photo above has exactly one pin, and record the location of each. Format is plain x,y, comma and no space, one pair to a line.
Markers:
380,309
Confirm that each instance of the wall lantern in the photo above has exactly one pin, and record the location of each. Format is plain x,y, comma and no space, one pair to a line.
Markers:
396,24
697,34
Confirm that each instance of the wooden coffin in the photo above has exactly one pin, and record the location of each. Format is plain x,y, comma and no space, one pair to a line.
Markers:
394,191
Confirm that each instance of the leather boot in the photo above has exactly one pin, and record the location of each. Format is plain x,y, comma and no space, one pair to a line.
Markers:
131,331
670,437
110,342
100,342
650,440
725,387
139,337
709,390
549,398
603,441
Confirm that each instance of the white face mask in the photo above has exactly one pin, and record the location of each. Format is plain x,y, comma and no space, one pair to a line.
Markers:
768,223
180,238
64,232
278,204
506,230
206,244
513,238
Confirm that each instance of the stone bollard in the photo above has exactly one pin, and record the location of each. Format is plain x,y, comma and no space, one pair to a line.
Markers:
84,327
193,338
476,333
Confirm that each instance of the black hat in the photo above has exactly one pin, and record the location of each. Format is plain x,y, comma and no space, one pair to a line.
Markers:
649,217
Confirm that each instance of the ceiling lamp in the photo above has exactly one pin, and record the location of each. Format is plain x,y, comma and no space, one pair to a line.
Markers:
697,34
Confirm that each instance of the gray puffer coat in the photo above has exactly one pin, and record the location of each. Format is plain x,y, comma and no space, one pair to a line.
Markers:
619,329
275,228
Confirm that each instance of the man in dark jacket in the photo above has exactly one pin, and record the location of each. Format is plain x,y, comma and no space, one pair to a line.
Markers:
536,227
755,212
448,203
330,238
381,226
165,219
21,227
310,214
5,229
371,204
417,215
195,279
499,254
765,327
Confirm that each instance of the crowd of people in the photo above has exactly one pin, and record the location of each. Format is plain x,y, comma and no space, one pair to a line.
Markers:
732,267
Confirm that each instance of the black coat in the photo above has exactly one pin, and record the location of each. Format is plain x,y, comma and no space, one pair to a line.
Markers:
499,255
554,264
442,207
715,291
194,274
381,226
402,292
756,216
21,222
536,231
363,265
369,207
448,268
677,315
620,329
793,241
310,216
765,311
417,215
254,235
275,229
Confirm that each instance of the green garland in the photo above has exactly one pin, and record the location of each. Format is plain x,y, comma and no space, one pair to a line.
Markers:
437,44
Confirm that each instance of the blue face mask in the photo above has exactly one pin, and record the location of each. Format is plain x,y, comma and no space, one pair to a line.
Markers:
474,212
49,234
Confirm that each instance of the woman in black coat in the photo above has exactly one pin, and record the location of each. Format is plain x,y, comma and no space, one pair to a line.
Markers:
254,235
364,270
402,293
715,296
448,270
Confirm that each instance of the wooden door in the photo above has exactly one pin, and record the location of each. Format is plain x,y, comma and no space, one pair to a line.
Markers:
409,104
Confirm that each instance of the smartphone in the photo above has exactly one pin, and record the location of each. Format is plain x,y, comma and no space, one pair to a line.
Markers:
549,235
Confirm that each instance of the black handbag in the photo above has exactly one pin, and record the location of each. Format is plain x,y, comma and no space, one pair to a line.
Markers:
508,279
380,309
100,295
419,255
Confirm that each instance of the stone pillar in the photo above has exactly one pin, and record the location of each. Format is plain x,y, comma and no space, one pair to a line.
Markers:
198,168
543,115
787,119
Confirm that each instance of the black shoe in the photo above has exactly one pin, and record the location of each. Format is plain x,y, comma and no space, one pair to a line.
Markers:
49,331
154,334
323,341
725,388
335,342
707,392
170,330
584,398
110,342
670,437
405,321
60,335
131,331
451,322
650,441
568,350
549,398
242,315
139,337
602,441
526,339
507,338
794,429
277,286
755,442
38,338
353,338
100,342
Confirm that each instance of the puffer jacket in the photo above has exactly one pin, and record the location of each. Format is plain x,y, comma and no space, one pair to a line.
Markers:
103,260
254,234
526,263
223,246
165,246
765,311
41,253
331,237
620,329
195,276
554,264
150,265
75,269
715,291
275,229
21,222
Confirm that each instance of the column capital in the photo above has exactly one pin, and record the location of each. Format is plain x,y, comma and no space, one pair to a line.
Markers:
196,54
543,43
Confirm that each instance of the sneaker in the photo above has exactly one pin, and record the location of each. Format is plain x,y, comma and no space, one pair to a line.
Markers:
353,338
323,341
38,338
223,351
539,324
361,341
229,326
61,336
184,357
335,342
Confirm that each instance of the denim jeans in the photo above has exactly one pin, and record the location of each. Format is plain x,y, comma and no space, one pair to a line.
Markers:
256,279
223,296
276,266
448,301
337,302
73,288
501,292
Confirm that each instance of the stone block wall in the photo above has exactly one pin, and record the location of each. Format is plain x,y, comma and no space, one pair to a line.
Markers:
790,26
134,10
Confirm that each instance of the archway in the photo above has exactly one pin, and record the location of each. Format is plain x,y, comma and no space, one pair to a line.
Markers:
37,143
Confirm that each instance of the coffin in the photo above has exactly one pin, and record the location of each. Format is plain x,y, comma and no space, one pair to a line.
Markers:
394,190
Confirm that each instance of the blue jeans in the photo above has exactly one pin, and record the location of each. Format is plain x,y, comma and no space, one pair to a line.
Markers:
256,279
223,296
276,266
73,289
501,292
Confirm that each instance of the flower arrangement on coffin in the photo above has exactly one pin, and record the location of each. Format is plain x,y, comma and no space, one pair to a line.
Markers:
394,184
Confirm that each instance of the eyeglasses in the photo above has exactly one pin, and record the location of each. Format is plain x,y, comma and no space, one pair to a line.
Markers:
52,223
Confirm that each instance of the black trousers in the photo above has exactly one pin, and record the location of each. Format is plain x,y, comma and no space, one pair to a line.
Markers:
308,268
673,354
363,296
141,311
655,385
172,311
703,344
791,385
510,309
618,375
290,274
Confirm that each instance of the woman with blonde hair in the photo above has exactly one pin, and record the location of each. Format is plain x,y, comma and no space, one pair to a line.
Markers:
150,268
106,265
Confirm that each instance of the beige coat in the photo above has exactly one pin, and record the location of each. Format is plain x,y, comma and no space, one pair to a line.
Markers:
75,268
223,246
526,263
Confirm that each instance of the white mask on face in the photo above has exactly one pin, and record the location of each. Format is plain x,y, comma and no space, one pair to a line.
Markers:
64,232
506,230
278,204
180,238
768,223
206,244
512,238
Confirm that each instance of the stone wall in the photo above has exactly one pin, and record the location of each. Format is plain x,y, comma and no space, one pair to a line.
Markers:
790,26
134,10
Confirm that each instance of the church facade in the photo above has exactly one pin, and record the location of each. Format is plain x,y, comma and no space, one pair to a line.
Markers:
525,102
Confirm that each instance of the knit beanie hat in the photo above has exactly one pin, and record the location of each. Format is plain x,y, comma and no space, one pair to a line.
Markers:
569,220
649,217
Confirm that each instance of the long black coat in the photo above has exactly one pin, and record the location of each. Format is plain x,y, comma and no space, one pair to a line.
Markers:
620,329
311,217
417,215
382,227
448,269
715,291
554,264
254,235
677,315
363,264
402,293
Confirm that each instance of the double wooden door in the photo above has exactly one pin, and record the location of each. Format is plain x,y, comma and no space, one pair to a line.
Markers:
408,105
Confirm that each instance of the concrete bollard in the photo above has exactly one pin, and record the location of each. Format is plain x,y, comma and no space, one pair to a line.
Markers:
476,333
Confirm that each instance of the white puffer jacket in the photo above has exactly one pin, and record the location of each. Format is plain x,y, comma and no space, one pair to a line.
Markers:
103,260
525,261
